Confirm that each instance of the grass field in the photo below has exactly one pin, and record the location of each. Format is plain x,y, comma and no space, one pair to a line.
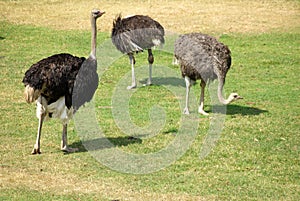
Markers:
257,154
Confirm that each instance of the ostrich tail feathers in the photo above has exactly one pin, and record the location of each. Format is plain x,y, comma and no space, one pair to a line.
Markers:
117,21
31,94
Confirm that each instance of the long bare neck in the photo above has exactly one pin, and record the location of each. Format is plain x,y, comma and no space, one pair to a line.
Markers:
220,93
94,37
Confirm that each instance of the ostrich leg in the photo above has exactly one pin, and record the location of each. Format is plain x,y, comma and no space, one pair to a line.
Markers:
40,112
201,105
150,60
64,141
188,86
36,148
132,62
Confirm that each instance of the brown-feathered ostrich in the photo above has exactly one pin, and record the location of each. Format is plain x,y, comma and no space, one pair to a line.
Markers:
202,57
60,84
134,34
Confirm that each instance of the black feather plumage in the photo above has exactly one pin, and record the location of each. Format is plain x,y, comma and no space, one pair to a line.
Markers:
136,33
54,76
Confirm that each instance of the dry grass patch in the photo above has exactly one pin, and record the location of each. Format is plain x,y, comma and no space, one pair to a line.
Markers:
74,184
178,16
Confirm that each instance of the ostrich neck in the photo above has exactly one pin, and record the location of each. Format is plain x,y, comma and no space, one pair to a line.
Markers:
94,37
220,93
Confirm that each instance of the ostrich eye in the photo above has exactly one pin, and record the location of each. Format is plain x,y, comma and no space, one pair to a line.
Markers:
235,96
96,12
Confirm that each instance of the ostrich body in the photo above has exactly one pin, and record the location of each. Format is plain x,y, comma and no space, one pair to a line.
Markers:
202,57
60,84
134,34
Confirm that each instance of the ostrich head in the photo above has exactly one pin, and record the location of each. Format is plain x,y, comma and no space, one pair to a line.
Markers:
233,97
97,13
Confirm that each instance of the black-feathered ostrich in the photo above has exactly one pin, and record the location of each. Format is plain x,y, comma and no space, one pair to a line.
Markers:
202,57
60,84
134,34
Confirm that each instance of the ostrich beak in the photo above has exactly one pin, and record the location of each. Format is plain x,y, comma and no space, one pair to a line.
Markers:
237,97
101,13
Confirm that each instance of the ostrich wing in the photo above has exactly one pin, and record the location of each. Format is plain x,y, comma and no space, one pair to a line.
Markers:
85,84
195,58
136,33
123,41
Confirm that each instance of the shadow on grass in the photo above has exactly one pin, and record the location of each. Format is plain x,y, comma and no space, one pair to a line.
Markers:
1,38
104,143
173,81
237,109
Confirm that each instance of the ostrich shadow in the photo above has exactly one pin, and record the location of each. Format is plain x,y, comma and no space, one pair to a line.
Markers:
1,56
236,110
171,81
104,143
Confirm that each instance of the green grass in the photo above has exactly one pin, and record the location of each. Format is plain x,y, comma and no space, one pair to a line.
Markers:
255,158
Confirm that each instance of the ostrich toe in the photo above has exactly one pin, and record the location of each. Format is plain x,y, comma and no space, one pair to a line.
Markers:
203,112
131,87
36,151
149,82
69,149
186,111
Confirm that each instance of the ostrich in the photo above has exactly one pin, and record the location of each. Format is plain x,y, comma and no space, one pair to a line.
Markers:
60,84
202,57
134,34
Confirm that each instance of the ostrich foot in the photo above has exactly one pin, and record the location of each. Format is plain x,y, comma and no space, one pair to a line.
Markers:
131,87
186,111
203,112
149,83
36,150
69,149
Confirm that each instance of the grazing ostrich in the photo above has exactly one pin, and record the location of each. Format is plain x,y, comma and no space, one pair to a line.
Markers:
60,84
202,57
134,34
